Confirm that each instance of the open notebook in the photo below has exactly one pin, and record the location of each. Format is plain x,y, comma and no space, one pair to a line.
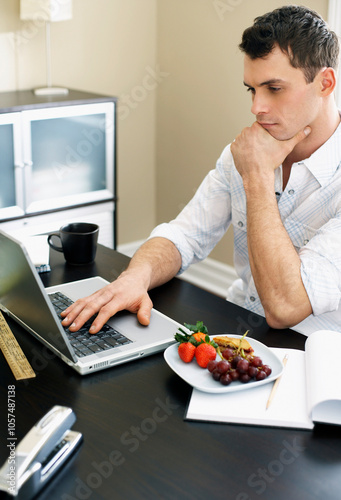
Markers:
309,391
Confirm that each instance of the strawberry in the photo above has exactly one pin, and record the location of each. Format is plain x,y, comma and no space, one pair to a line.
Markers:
186,351
199,336
204,353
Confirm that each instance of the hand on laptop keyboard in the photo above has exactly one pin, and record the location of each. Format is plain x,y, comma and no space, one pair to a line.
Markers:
82,341
107,302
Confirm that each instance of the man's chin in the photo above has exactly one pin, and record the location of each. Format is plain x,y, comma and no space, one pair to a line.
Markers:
272,129
280,136
275,131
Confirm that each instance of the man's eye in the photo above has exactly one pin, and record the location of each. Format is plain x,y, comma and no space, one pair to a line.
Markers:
250,89
275,89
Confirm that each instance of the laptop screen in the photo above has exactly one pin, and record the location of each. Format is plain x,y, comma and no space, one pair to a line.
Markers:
22,295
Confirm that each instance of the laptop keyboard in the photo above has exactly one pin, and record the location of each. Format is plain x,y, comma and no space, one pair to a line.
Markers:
83,342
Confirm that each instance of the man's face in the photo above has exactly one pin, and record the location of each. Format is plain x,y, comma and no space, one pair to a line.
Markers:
282,101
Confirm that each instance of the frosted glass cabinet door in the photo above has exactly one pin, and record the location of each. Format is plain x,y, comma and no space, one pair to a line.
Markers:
11,192
68,156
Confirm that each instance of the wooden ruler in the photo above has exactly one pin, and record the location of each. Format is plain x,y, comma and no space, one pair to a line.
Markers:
13,353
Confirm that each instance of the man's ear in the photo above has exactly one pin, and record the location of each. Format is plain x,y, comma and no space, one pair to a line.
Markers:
327,81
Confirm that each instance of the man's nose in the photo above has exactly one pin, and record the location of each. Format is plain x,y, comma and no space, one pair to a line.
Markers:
259,104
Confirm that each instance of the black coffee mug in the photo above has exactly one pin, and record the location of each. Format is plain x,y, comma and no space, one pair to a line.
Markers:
78,242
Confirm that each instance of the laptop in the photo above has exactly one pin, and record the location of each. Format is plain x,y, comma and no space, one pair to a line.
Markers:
24,298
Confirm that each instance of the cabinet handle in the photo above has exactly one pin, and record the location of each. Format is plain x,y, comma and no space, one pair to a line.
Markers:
23,164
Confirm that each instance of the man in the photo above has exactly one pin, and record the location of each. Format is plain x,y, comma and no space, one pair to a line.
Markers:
278,183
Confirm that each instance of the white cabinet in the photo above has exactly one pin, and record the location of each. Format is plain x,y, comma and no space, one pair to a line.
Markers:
11,179
56,157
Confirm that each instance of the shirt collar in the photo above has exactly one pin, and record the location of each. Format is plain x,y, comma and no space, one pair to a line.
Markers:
324,162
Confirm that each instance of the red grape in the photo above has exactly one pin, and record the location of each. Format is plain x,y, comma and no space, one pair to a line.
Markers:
261,375
234,374
228,353
225,379
216,375
245,378
267,370
257,361
235,361
243,366
252,371
223,367
212,365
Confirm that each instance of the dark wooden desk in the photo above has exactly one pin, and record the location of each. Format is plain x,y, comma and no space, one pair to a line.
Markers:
136,442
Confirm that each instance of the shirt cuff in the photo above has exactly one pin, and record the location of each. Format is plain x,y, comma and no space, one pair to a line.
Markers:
173,234
322,285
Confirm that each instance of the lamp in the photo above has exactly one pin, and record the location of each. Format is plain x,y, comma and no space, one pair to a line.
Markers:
47,11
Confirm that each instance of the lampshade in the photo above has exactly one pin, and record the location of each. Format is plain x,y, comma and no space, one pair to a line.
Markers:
47,10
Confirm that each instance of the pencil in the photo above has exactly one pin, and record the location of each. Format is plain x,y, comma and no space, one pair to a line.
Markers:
275,386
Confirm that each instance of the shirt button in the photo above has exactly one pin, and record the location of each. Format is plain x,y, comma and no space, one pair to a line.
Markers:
240,224
306,241
252,298
291,191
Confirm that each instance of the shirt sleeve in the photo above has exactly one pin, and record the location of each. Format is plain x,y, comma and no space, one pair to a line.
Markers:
205,219
321,267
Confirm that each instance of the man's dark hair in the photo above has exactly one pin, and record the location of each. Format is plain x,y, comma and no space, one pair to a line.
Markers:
299,32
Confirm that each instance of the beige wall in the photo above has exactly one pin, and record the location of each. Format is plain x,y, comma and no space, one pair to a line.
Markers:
171,127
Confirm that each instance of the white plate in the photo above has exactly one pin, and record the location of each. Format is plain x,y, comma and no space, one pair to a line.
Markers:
201,378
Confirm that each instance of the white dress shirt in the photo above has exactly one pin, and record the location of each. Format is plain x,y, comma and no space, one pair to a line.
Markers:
310,209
